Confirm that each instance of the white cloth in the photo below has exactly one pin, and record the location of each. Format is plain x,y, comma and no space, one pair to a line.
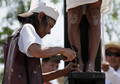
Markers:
27,37
105,7
75,3
112,76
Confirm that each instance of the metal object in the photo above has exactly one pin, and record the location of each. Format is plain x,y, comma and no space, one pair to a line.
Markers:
58,57
61,57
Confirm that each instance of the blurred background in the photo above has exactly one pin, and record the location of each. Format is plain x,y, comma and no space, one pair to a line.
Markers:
9,9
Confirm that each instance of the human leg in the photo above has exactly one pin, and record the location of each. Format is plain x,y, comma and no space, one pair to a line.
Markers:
74,18
93,17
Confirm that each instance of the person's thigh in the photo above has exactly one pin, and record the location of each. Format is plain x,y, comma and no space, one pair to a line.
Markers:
74,15
93,10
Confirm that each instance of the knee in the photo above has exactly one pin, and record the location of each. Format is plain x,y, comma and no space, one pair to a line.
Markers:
73,23
93,14
74,16
94,19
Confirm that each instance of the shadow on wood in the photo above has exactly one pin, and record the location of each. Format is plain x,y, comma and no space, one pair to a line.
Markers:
86,78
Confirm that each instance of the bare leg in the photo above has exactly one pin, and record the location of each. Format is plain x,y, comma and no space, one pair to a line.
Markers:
74,18
93,16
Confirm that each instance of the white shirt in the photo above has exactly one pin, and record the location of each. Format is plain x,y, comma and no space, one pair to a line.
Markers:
112,76
27,37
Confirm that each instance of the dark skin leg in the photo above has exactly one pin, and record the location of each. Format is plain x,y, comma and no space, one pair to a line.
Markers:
93,17
74,19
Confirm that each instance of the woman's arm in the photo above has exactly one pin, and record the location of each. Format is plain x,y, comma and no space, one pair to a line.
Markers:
43,52
59,73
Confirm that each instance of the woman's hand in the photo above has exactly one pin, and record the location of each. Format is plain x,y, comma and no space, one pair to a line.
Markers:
59,73
70,67
70,54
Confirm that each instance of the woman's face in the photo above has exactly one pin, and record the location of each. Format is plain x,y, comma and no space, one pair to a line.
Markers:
46,29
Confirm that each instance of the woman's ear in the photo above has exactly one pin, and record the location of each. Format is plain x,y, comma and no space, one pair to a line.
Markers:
40,16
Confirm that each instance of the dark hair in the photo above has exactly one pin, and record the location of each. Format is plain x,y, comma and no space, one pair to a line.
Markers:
48,59
33,19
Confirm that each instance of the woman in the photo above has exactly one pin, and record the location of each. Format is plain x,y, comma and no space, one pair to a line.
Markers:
24,67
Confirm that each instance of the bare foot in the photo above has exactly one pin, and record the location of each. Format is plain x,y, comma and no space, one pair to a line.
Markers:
81,67
90,68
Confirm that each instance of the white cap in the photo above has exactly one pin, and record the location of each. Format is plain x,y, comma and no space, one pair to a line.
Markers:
37,7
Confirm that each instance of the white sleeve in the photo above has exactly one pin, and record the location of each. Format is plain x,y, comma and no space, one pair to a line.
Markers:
27,37
112,76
